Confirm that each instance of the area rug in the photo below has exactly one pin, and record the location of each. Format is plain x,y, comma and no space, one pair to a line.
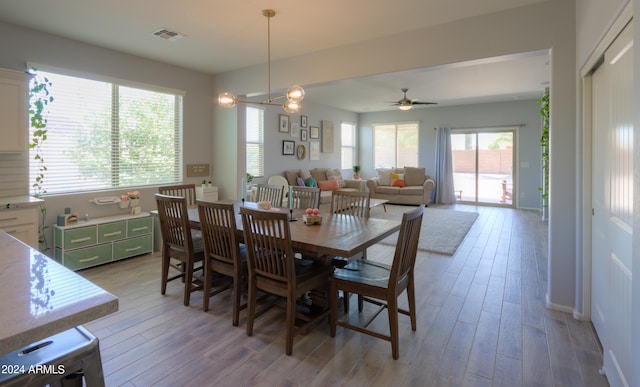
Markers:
442,230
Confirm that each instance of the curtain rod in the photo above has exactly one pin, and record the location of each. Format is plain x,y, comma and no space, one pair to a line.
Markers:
487,126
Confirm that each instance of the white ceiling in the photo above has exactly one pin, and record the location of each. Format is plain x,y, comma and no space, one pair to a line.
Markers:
227,35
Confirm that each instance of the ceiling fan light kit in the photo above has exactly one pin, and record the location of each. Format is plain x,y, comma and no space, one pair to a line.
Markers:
294,95
406,103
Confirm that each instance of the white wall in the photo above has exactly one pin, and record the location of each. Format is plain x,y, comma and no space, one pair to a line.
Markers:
524,112
548,25
19,45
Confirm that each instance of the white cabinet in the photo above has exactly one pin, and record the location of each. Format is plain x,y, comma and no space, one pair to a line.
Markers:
21,223
14,102
207,193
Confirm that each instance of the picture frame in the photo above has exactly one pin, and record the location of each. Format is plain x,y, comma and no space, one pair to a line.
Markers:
301,152
283,123
327,136
304,134
288,147
314,132
303,121
314,150
295,130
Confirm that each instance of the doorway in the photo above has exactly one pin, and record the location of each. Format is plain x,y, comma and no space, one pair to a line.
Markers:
483,161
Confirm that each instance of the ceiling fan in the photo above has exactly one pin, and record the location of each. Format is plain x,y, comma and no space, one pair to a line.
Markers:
406,103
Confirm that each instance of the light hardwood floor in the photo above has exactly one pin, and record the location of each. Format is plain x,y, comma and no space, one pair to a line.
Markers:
482,321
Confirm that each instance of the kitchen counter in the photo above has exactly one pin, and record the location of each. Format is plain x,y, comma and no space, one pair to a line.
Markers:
41,297
9,202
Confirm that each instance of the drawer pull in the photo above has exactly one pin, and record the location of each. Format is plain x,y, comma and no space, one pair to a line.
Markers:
80,240
4,219
133,249
113,233
140,228
89,259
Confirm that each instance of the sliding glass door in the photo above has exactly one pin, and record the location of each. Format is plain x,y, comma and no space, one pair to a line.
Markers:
483,162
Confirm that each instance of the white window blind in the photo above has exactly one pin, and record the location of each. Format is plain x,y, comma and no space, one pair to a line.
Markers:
348,145
101,135
255,141
396,145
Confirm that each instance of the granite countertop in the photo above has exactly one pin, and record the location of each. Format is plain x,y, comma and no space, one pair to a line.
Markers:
9,202
41,297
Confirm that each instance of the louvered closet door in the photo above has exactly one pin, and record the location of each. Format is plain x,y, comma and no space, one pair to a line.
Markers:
613,207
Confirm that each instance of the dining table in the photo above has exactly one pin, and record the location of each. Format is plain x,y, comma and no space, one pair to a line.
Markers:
337,235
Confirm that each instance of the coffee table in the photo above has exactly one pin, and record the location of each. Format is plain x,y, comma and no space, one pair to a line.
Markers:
377,202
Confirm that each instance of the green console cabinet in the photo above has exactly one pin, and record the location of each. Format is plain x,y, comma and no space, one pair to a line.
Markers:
103,240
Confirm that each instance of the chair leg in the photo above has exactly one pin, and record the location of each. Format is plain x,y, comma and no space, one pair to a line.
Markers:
360,303
208,277
392,307
345,297
165,274
411,296
236,301
333,307
251,306
188,279
291,320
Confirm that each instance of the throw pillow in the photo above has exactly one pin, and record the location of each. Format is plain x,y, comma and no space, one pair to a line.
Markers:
384,176
328,185
414,176
397,179
300,182
335,174
291,175
311,182
305,174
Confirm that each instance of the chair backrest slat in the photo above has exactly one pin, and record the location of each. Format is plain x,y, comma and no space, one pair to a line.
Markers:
218,227
271,193
354,203
306,197
407,246
268,240
174,223
185,190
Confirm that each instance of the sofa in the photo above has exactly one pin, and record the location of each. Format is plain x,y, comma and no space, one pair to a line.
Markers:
408,185
327,179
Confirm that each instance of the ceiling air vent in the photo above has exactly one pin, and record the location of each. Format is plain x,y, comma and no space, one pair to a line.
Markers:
167,34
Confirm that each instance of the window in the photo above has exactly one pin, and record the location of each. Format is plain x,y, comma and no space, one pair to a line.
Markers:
348,145
396,145
255,141
103,135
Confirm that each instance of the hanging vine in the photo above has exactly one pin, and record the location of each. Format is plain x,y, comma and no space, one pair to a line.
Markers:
39,99
544,142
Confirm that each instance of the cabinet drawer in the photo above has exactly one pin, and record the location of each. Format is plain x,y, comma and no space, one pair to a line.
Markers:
112,231
131,247
80,237
141,226
15,217
91,256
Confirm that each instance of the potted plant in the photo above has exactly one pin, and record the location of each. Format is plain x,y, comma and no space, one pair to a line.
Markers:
249,180
356,172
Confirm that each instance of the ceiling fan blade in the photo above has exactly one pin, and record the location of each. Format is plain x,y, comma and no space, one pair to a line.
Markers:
423,103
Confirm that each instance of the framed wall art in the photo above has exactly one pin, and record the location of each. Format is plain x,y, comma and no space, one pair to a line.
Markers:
314,150
288,147
283,123
327,136
314,132
295,130
304,134
301,152
303,121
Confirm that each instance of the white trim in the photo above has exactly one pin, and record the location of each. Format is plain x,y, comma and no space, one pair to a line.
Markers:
103,78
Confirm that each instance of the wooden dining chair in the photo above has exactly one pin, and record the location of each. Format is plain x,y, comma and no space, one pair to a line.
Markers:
223,253
179,242
306,197
271,193
186,190
381,284
273,268
354,203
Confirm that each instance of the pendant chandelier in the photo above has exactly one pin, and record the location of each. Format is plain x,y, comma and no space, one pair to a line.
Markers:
294,94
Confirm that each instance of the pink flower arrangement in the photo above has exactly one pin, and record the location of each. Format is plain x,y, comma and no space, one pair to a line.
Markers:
134,195
124,197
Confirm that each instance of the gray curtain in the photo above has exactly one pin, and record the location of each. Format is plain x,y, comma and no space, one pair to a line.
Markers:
444,168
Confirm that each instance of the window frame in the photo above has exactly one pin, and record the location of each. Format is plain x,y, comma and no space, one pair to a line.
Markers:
353,147
259,143
397,127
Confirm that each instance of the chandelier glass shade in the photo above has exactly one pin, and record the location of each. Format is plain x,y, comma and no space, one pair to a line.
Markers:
294,95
